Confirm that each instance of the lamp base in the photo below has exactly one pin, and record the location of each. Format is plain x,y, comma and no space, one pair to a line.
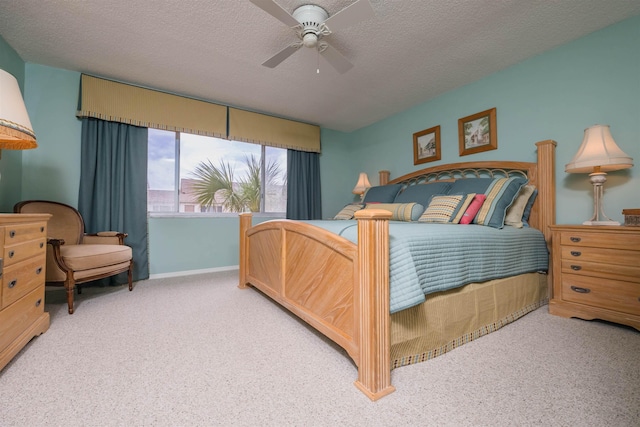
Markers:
601,223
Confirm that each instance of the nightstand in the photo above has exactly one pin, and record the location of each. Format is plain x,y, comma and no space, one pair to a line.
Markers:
596,273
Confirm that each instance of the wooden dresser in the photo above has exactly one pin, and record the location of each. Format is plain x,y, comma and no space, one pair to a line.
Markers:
23,250
596,273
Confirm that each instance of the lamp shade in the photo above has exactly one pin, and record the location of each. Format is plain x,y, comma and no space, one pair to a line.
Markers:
362,185
16,132
598,152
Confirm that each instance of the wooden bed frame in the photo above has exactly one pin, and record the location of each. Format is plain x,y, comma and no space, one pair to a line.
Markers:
342,289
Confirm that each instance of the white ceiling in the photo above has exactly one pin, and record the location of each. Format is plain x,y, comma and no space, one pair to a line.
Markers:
412,51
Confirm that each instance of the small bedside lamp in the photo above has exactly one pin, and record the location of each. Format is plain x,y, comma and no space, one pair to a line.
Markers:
16,132
362,185
598,155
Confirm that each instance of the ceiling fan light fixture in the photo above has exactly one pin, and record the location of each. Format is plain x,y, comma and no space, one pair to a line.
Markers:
310,40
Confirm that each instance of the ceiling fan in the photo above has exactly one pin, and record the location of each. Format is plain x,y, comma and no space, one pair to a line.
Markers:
312,24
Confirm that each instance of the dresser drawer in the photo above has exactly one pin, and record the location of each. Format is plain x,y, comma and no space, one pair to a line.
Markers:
14,234
15,253
20,279
626,241
17,317
614,295
578,254
629,273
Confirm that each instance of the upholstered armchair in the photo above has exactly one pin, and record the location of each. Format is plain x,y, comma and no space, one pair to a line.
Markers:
73,257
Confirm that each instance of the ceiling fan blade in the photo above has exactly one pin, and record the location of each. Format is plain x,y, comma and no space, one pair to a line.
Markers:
352,14
276,59
336,59
275,10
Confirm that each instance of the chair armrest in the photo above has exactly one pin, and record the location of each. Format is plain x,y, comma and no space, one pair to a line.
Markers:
104,238
55,251
55,242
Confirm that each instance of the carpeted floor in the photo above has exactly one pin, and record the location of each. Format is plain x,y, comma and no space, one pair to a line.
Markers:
198,351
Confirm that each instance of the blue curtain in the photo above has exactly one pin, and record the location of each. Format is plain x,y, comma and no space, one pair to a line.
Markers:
113,186
303,185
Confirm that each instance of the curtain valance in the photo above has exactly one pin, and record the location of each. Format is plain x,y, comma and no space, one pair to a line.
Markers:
119,102
273,131
124,103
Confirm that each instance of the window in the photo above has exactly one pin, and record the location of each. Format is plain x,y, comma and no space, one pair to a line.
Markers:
194,173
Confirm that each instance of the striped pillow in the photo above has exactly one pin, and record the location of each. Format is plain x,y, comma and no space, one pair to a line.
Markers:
449,208
399,211
500,194
348,211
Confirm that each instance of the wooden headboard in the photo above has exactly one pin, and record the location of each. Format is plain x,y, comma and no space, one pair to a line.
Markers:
541,174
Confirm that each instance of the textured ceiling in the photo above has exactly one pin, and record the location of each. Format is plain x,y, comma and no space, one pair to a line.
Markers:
413,50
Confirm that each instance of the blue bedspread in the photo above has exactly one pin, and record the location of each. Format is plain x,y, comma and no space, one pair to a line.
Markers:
427,258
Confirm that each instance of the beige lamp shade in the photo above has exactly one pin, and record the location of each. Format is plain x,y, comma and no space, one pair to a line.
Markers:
16,132
362,185
598,152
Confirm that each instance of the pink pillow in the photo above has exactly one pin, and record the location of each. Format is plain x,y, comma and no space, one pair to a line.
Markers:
473,209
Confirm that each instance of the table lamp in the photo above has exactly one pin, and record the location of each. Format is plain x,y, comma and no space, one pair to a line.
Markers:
362,185
16,132
598,155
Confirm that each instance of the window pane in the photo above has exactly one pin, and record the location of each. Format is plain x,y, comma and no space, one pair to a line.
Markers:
216,175
275,199
161,171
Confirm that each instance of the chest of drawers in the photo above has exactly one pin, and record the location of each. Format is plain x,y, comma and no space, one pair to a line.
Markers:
23,249
596,273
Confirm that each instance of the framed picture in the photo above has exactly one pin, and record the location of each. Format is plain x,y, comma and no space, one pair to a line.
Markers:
478,132
426,145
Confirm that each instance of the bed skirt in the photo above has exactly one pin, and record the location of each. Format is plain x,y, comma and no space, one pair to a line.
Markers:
449,319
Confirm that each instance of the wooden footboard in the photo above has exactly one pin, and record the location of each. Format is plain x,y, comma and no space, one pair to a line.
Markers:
343,291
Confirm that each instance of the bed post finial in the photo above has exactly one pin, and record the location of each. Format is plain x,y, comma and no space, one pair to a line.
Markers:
383,177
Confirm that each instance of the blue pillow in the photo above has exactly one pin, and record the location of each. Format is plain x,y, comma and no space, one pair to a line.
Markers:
422,193
527,209
381,194
470,185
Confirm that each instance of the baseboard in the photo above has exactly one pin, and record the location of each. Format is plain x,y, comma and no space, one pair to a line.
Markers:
193,272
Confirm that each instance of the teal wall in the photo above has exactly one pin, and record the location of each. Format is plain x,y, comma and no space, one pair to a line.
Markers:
11,161
551,96
52,171
555,95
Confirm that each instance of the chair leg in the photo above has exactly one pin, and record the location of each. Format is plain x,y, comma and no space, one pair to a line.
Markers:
70,285
130,276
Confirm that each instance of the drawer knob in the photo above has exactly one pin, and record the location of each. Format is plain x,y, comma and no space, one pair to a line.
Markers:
39,302
575,239
42,229
576,267
13,283
38,270
580,290
41,245
11,254
576,253
12,234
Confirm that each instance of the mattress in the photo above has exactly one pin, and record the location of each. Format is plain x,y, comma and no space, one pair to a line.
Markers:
425,258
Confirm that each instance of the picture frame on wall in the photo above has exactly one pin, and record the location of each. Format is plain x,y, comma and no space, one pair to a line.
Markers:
426,145
478,132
